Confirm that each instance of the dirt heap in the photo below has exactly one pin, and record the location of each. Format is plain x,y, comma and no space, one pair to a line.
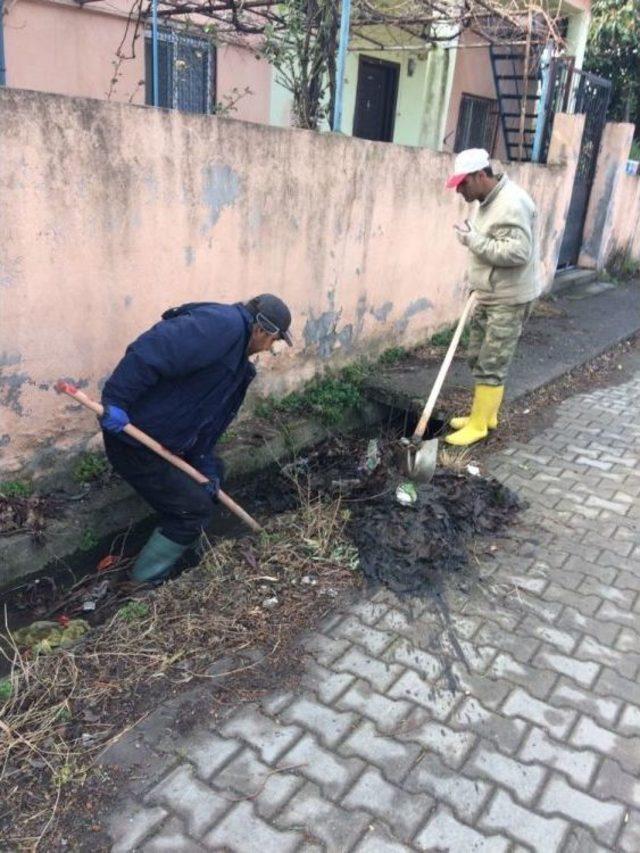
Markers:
408,547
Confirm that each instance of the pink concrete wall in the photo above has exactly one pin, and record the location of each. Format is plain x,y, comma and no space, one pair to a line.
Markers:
622,233
67,49
238,68
472,76
612,215
118,212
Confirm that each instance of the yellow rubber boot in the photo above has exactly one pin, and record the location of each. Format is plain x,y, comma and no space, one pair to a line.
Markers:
458,423
486,404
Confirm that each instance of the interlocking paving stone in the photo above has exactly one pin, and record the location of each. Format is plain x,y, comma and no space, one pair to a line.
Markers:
541,833
603,818
630,721
567,694
209,752
402,811
172,839
245,776
612,781
466,796
243,830
270,738
131,824
557,722
194,802
524,737
578,764
336,828
331,772
523,780
393,758
505,732
458,836
386,713
329,725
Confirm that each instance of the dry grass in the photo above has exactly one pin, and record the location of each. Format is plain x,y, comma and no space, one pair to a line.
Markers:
67,706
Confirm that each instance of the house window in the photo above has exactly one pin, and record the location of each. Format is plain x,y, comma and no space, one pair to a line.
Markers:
186,72
477,123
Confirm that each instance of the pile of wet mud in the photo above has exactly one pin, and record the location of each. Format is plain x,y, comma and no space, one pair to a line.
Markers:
409,548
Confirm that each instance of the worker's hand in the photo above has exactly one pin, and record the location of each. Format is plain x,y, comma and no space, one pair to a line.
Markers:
114,419
463,232
212,488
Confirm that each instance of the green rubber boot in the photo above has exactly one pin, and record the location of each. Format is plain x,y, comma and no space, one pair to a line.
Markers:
157,558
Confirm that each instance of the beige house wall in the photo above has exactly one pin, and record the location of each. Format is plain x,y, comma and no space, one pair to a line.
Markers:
115,212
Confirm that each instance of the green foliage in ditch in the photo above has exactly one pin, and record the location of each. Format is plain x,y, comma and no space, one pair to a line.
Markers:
15,489
392,356
331,396
444,337
90,468
133,611
88,540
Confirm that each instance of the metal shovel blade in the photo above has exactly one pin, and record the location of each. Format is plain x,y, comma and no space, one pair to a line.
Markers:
421,460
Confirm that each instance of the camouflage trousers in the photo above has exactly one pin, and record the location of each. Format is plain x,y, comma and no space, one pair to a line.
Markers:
493,337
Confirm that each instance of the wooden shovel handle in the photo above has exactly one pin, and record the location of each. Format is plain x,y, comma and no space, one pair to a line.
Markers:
444,369
63,387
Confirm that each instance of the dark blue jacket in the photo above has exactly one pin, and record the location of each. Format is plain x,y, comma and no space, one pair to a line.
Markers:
184,380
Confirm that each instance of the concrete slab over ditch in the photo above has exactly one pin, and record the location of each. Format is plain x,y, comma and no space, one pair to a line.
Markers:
570,329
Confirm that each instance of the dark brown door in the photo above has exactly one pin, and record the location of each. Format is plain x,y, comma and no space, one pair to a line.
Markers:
376,98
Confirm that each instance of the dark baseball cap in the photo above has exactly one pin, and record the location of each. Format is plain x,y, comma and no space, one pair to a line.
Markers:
271,314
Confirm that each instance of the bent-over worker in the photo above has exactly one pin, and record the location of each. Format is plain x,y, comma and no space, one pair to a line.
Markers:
182,382
503,273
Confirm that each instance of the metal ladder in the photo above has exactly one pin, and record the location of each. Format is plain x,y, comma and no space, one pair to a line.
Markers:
513,86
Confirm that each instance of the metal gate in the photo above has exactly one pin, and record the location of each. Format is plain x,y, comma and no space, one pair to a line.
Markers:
586,93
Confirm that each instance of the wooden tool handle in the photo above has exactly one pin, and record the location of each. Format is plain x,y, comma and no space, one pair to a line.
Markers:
437,385
63,387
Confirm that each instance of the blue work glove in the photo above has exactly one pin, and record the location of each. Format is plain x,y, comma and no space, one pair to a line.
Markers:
212,488
114,419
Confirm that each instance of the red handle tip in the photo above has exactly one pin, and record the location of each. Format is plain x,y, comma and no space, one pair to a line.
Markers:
63,387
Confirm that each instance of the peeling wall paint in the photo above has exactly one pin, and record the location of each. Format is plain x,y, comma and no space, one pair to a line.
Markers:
220,189
356,236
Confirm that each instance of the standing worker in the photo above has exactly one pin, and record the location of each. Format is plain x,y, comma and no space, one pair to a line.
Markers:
182,382
503,273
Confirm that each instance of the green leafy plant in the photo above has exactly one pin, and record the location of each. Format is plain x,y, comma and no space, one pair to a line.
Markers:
133,611
90,468
392,356
15,489
88,540
6,689
613,52
444,337
328,397
227,437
